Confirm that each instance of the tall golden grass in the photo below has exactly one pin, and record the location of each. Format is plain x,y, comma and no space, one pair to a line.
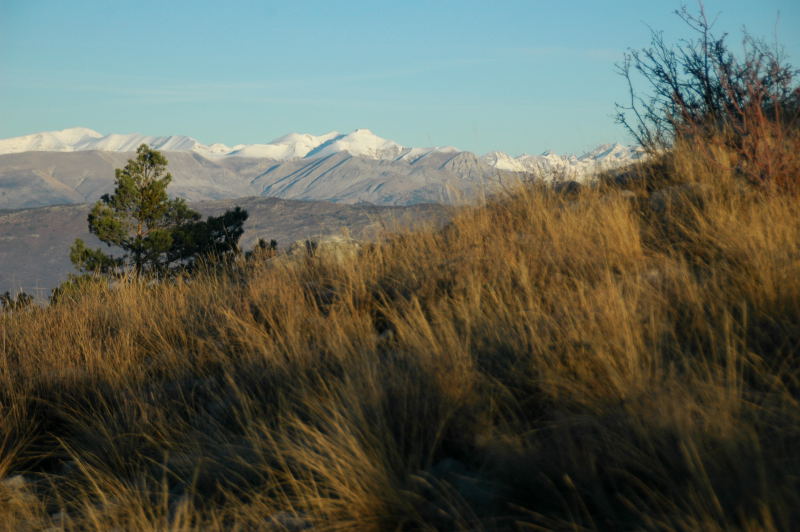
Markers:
603,359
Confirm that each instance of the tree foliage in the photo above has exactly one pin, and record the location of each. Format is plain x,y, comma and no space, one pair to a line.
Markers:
217,236
154,235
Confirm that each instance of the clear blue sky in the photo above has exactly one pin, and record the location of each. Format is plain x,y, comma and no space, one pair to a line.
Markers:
518,76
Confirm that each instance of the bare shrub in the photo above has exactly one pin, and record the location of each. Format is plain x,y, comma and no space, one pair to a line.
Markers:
699,91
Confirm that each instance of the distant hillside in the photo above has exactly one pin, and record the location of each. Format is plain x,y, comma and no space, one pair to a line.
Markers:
34,243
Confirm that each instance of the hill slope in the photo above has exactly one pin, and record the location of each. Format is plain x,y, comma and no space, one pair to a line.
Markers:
34,243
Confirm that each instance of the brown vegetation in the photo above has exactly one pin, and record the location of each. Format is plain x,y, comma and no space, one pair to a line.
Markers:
743,107
601,359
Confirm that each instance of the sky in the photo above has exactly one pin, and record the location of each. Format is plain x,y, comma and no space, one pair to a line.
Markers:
519,76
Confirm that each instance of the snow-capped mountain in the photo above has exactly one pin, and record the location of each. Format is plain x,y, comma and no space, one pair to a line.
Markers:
359,143
64,140
77,165
566,166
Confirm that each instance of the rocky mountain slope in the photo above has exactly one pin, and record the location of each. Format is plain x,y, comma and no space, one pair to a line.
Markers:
77,165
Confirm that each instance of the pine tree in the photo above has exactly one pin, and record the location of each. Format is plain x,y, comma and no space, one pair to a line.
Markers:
155,234
216,237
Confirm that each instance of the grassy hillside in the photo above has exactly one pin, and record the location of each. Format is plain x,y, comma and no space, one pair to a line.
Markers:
619,357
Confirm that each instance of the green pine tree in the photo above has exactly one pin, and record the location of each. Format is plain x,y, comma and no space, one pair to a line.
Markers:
154,233
217,237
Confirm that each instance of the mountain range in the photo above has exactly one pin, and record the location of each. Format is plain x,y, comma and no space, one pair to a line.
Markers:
358,183
76,165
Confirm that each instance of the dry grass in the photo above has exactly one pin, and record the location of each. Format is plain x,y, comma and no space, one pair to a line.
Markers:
586,361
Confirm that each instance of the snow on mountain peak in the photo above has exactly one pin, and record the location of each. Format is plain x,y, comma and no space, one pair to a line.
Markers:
77,133
551,165
126,143
503,161
291,146
306,138
63,140
361,142
615,151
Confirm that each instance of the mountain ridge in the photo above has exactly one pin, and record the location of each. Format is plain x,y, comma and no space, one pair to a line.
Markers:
77,165
360,142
